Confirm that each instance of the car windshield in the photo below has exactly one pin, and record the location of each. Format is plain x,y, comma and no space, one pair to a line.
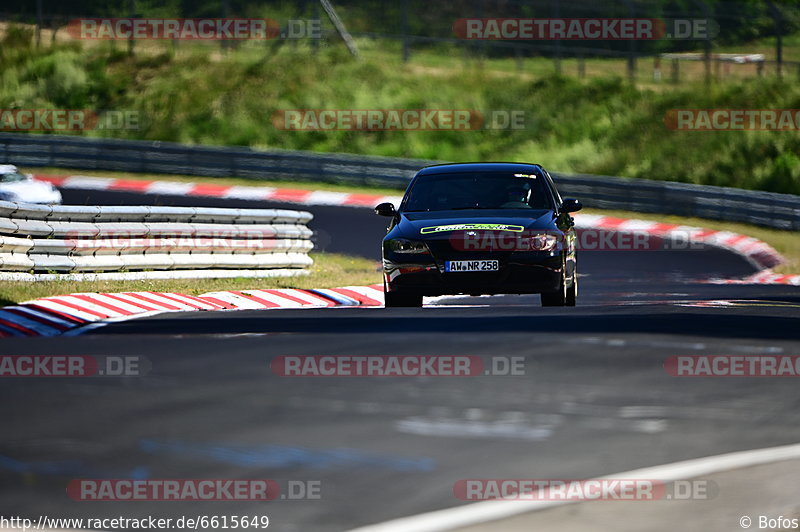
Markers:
478,190
12,177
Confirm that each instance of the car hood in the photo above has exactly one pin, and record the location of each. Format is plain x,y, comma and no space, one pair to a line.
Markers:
440,224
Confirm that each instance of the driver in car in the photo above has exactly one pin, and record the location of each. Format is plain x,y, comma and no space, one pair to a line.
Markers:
517,196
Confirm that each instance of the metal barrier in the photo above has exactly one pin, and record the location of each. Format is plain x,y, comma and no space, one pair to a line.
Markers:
69,239
663,197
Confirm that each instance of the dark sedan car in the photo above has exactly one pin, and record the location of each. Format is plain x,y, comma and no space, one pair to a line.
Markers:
480,228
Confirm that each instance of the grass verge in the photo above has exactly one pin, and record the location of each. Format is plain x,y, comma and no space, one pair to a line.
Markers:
329,271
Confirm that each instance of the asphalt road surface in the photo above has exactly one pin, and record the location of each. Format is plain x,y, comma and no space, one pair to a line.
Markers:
594,397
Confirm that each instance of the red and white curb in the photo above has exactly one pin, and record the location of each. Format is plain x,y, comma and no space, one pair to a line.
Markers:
760,254
765,277
209,190
71,313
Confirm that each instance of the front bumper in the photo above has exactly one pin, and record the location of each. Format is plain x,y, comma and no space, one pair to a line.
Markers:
519,273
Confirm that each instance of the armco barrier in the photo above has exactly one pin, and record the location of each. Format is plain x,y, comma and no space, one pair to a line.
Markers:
74,239
663,197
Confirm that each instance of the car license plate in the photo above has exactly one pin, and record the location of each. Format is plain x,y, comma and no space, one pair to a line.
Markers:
471,266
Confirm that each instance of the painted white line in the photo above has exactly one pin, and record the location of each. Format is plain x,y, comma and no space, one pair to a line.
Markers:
83,182
395,200
169,188
637,226
323,197
489,511
249,193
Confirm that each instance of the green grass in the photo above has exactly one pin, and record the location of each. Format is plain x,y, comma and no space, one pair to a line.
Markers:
600,125
329,271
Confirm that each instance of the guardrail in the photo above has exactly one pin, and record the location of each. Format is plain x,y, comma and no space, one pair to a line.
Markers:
76,239
663,197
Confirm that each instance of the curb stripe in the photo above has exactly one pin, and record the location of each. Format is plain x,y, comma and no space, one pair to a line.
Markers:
102,304
130,301
9,331
13,324
50,314
151,300
361,298
264,302
280,300
30,314
205,304
63,311
80,308
171,297
336,297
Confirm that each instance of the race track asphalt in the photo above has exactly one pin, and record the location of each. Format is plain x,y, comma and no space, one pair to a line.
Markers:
594,397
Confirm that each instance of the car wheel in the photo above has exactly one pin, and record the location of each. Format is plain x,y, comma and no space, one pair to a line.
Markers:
393,299
572,291
559,297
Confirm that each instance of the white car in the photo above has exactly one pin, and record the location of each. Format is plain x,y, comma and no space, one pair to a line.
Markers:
23,188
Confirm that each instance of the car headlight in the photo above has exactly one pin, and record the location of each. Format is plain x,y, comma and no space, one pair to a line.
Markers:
8,196
544,242
401,245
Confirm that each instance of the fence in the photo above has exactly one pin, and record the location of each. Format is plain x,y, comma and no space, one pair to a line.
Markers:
76,239
411,27
768,209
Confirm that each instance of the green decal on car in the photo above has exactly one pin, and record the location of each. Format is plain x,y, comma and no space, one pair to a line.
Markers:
466,227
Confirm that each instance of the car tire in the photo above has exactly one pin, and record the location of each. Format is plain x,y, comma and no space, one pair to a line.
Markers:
393,299
561,297
555,299
572,291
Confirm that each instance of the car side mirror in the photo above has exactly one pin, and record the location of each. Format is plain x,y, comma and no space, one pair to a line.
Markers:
385,209
571,205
